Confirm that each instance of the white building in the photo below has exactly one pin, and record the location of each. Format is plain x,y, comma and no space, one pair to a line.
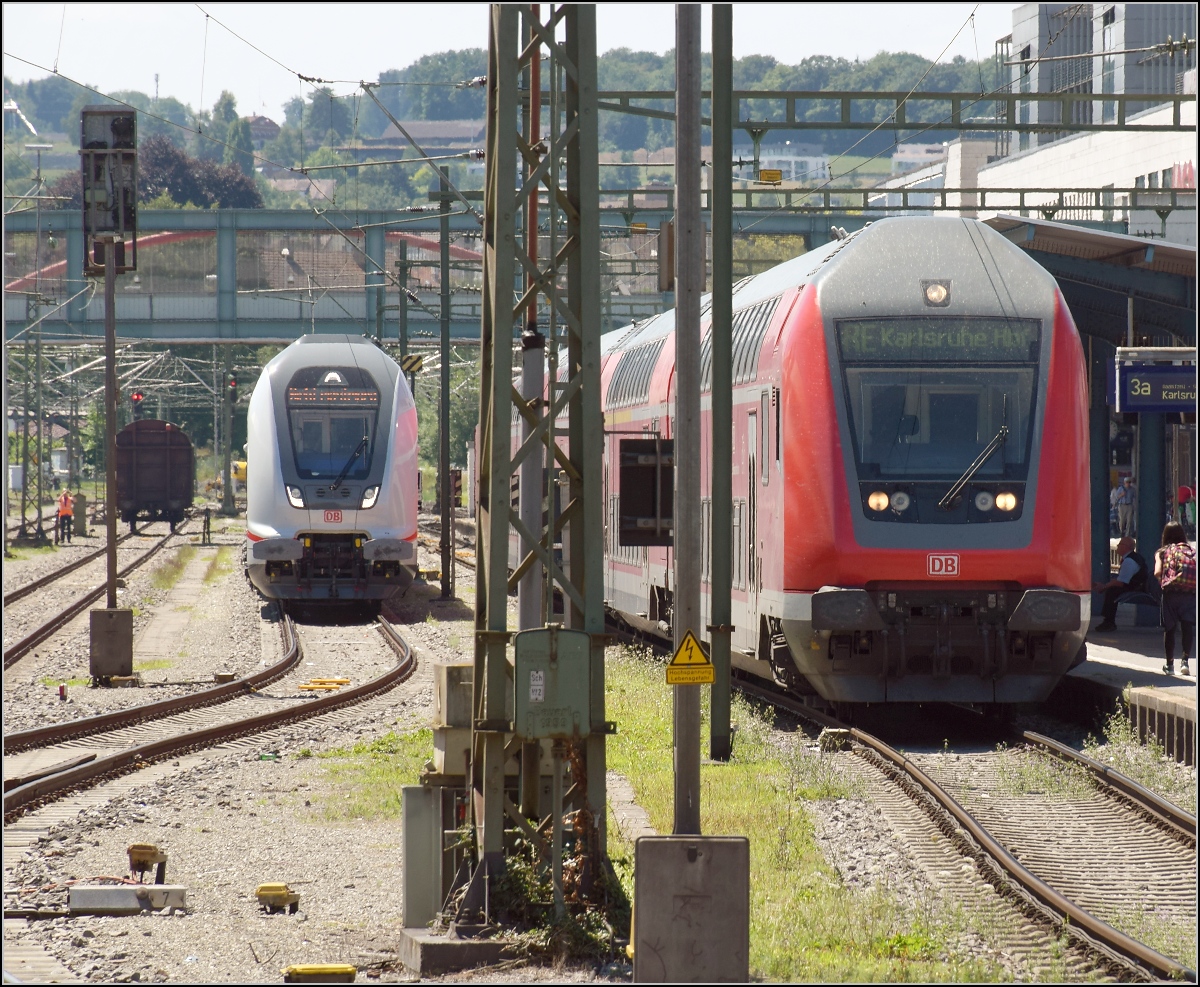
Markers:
802,163
908,157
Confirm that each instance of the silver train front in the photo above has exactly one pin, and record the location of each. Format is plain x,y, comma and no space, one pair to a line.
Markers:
331,474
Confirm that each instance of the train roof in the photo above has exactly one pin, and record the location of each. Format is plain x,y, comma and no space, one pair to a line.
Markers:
798,271
335,349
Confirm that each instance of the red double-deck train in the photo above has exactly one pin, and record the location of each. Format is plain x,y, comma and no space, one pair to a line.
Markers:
910,517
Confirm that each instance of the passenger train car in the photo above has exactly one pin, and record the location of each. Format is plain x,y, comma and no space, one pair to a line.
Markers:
331,474
910,517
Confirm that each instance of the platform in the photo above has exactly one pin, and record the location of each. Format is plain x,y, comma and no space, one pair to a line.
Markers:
1129,661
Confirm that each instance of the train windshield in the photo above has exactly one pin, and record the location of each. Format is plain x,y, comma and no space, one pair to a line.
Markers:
926,396
332,419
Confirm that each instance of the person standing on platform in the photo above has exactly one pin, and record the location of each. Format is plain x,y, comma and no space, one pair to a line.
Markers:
1126,501
66,517
1175,567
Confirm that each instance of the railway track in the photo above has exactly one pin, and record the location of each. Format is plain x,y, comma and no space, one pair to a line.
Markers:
21,648
73,730
89,756
1042,855
32,587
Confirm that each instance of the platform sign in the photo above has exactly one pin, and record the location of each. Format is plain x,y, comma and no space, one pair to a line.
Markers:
691,665
1156,388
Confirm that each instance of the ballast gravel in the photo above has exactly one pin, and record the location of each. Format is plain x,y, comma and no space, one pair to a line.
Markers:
256,813
222,634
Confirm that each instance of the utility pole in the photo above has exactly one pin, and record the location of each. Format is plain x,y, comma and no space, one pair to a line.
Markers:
447,540
40,533
110,412
24,533
402,317
689,285
227,503
721,480
530,590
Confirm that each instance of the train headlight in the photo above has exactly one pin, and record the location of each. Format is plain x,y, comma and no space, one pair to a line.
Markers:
370,495
295,496
1006,501
985,501
900,501
878,501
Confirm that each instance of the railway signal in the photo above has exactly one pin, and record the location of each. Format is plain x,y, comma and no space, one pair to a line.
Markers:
232,389
136,399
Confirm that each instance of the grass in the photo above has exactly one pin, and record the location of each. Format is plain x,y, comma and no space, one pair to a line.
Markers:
804,924
52,683
1173,936
1147,763
167,574
366,777
220,565
153,664
1025,772
20,553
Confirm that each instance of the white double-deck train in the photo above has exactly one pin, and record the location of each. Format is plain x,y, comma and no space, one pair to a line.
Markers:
331,474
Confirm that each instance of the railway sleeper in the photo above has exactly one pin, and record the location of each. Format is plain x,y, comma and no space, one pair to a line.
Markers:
1114,964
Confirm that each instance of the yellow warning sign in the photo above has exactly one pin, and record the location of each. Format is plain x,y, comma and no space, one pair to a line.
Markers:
690,666
771,176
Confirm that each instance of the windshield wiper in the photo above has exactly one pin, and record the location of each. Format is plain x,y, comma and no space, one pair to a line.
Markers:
998,440
346,469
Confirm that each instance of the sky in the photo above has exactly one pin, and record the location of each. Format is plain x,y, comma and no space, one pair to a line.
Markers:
195,58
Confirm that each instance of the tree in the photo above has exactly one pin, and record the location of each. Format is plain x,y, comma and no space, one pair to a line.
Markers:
293,112
225,109
163,167
431,94
326,114
239,148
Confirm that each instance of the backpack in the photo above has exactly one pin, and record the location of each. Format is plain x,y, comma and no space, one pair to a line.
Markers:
1178,568
1138,583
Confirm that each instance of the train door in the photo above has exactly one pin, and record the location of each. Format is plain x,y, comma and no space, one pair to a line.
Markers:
752,511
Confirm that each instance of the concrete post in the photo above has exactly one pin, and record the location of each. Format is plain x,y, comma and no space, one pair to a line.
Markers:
689,285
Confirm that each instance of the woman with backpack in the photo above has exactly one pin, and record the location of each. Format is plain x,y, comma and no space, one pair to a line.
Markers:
1175,567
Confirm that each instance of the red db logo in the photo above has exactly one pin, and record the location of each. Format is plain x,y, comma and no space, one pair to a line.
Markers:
943,565
335,517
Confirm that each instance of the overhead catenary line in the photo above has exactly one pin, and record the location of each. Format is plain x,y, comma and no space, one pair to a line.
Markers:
472,155
1167,47
420,150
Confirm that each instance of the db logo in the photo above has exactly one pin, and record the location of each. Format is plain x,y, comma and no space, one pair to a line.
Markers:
335,517
943,565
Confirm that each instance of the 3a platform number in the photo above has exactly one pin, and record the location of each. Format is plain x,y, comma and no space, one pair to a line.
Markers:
1139,388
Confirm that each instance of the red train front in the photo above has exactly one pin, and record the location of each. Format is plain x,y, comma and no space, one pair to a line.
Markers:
911,471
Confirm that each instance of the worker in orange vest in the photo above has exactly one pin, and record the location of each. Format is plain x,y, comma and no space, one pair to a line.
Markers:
66,517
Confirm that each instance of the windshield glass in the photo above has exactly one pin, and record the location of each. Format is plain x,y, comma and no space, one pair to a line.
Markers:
329,416
926,396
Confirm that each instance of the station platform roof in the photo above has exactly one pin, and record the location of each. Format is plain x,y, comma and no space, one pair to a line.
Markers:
1099,272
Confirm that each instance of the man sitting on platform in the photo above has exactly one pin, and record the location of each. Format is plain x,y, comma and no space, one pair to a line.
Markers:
1130,578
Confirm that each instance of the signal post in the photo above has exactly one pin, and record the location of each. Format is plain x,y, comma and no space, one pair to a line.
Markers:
108,160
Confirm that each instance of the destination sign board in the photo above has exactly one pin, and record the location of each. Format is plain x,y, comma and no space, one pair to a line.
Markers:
924,340
1156,388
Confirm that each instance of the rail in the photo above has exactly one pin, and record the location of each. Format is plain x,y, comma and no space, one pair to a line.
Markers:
31,641
58,733
23,591
1167,813
48,789
1068,912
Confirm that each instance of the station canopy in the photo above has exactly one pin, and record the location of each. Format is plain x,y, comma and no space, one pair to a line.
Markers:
1099,272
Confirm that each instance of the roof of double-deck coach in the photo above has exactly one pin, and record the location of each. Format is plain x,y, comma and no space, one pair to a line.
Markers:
749,291
1098,272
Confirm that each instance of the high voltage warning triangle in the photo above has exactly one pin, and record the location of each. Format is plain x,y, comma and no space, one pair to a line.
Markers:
690,666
